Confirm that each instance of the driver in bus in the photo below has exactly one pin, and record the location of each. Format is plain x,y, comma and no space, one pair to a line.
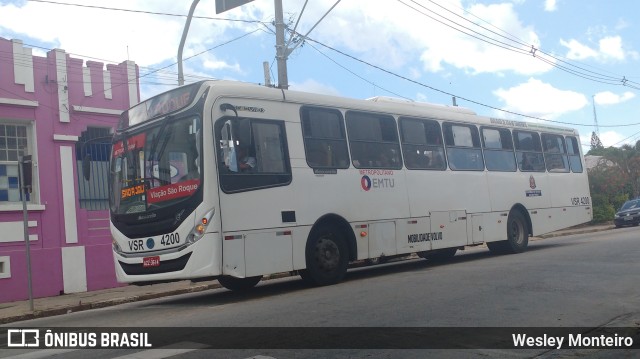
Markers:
246,163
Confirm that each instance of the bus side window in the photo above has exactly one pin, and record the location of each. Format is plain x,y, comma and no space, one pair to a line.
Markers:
554,153
373,140
498,149
574,154
253,154
325,143
528,151
422,144
463,147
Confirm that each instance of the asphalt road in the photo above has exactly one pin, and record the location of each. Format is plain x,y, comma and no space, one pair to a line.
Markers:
573,281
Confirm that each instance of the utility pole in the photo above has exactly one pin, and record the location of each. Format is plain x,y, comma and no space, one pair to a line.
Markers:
281,50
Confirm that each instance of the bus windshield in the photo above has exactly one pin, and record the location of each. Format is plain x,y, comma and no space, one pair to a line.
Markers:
159,166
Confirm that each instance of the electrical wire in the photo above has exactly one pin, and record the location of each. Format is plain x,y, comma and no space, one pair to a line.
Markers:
525,49
144,11
456,96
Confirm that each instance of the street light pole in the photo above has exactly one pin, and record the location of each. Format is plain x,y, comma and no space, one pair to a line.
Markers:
25,186
183,40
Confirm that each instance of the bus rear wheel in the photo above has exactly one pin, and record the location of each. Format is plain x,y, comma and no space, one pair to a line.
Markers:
327,256
239,284
517,236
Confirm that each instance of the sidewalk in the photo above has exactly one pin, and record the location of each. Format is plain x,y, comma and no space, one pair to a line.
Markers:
68,303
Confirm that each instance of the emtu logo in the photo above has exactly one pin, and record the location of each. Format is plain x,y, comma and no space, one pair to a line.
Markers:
23,338
365,182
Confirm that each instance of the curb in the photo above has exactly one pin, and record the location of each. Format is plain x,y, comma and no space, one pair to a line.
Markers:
576,231
105,303
121,300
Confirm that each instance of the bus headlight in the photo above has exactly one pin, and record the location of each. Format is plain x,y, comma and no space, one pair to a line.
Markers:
200,228
116,246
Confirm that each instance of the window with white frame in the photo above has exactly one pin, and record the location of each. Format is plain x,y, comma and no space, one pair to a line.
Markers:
15,142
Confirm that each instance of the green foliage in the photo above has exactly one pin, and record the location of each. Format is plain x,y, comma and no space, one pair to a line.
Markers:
595,142
615,179
603,213
619,200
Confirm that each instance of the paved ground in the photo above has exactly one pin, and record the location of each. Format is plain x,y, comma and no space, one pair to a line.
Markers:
50,306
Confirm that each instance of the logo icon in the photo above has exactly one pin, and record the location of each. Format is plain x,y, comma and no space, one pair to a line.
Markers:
365,182
151,243
23,338
532,182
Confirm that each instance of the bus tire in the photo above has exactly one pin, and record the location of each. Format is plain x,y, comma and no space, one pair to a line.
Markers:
327,256
438,255
517,236
239,284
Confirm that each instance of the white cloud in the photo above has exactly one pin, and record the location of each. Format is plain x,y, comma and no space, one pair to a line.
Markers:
221,65
391,36
610,98
610,138
476,56
539,99
550,5
609,48
612,47
313,86
578,51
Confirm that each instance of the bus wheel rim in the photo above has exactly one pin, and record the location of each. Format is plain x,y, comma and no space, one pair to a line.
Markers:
327,254
516,232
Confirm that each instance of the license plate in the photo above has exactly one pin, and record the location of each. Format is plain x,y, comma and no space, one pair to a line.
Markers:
151,261
628,218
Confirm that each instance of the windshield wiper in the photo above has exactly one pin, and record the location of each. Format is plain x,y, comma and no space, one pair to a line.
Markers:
154,145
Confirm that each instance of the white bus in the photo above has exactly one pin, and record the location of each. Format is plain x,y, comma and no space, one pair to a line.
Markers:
235,181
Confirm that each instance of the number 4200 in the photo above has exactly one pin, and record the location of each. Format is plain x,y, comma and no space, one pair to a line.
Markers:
170,239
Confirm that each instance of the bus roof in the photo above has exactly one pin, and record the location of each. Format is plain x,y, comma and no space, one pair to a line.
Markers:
381,104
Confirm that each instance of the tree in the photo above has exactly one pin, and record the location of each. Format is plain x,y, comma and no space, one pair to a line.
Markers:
595,142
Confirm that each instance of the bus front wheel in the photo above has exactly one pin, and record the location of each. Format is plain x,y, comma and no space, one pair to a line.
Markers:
517,236
327,256
239,284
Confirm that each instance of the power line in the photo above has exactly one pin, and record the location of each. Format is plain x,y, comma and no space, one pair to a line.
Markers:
144,11
453,95
524,49
358,76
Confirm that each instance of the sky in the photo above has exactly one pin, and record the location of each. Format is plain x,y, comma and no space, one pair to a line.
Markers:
565,61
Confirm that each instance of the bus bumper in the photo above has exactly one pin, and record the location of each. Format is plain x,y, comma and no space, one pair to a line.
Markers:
201,259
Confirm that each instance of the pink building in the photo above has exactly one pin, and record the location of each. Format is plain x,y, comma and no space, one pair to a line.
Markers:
49,107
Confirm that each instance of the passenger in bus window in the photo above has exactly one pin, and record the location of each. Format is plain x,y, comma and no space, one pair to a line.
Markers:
437,160
526,163
246,163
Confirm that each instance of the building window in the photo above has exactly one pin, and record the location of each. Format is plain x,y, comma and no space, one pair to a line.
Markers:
95,145
14,143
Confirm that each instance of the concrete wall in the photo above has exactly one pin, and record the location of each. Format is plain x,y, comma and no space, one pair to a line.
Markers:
57,97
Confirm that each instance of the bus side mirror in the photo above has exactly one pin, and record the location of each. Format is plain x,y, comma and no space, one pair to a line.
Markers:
86,167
